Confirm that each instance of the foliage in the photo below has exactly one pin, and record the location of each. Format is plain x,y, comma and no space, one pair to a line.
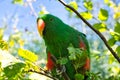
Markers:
19,54
27,55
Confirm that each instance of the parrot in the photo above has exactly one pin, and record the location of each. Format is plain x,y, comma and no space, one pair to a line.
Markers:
68,45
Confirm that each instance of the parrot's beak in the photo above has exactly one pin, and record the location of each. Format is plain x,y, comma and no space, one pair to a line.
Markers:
40,26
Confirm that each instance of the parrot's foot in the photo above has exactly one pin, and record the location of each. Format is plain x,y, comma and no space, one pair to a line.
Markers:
61,70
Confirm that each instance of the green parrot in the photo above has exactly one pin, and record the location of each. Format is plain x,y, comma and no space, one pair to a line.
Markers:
69,46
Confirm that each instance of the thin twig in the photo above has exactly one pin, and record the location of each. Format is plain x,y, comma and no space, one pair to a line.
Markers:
43,74
90,26
32,9
64,74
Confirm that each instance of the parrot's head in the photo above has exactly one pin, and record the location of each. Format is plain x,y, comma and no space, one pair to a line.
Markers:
48,23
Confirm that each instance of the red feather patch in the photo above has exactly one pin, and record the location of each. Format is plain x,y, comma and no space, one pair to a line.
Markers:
50,63
87,64
82,45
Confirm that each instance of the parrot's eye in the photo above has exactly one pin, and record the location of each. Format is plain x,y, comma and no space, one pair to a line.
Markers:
51,19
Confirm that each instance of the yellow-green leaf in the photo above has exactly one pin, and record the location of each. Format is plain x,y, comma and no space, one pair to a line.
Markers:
28,55
3,45
118,50
100,26
43,11
117,27
12,70
73,4
88,5
103,15
62,61
115,35
106,1
117,15
1,33
11,43
18,2
79,77
86,15
111,41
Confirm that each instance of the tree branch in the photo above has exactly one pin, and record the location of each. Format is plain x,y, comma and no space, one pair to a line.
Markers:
96,31
31,7
64,74
43,74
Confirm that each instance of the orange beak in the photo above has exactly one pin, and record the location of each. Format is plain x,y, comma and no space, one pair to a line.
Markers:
40,26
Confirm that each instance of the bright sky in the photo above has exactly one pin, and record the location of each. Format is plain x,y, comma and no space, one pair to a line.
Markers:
21,17
10,12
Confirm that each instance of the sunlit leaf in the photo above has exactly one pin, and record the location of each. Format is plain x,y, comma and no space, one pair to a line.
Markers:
88,5
21,42
11,43
115,35
73,4
106,1
1,33
116,15
86,15
43,11
111,59
103,14
100,26
0,67
13,70
116,71
28,55
20,2
3,45
31,65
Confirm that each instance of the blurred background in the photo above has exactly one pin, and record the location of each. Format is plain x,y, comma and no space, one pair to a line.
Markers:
18,31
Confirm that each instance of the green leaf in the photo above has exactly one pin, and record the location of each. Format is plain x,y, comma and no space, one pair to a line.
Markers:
103,14
20,2
79,77
13,70
88,5
100,26
62,61
111,41
77,55
27,55
117,27
118,50
115,35
3,45
87,15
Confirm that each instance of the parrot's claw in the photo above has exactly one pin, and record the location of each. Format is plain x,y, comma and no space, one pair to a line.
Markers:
61,70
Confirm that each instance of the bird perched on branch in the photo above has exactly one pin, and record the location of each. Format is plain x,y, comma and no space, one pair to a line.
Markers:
69,47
